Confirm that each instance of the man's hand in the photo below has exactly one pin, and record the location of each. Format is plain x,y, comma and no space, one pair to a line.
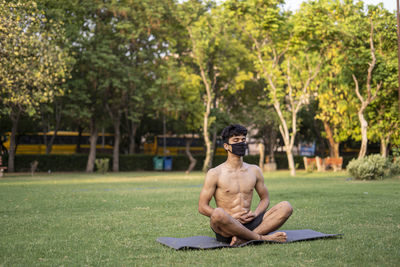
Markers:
246,217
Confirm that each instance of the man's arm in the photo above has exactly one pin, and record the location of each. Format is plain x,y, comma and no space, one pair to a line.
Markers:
209,187
262,192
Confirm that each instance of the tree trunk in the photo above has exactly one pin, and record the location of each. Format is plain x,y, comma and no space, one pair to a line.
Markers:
209,152
370,97
132,137
261,148
78,145
192,160
49,146
12,149
272,144
45,126
93,142
364,137
384,145
288,138
103,138
292,166
333,145
321,149
117,138
214,144
288,148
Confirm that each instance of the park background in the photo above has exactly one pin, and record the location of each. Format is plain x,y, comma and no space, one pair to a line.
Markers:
91,80
122,77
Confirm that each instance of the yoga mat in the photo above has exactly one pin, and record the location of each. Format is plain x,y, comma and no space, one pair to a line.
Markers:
207,242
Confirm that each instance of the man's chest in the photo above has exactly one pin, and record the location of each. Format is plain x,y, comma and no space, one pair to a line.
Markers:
233,183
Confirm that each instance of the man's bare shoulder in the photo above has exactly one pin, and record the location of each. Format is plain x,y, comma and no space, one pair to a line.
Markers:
214,173
251,167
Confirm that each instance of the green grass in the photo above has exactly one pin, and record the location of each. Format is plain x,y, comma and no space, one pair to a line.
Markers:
114,220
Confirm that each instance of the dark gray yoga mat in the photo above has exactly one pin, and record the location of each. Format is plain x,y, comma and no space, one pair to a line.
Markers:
206,242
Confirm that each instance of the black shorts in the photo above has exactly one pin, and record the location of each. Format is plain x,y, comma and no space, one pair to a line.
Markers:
250,225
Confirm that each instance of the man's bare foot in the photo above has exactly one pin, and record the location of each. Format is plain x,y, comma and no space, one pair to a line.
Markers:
278,236
236,241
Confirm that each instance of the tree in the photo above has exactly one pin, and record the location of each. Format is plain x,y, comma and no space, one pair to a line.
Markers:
366,100
383,116
380,68
335,113
334,95
33,64
214,52
199,42
93,69
181,102
287,60
139,38
83,23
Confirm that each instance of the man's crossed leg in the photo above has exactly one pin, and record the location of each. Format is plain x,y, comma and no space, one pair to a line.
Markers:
225,225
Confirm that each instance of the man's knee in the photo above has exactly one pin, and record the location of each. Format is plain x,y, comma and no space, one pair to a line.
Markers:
218,216
286,208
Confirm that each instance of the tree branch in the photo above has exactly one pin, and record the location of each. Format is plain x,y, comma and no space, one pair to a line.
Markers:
357,89
288,76
373,62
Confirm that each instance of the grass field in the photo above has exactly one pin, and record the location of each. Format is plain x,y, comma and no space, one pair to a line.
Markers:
114,220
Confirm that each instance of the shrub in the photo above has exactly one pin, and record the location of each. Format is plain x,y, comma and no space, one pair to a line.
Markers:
102,165
395,167
369,168
135,162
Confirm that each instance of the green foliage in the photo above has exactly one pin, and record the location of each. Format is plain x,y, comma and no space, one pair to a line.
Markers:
33,63
395,167
214,48
102,165
383,115
286,56
372,167
137,162
52,163
334,92
144,59
396,151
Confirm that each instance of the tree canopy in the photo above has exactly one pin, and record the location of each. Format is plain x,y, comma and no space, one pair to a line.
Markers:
141,68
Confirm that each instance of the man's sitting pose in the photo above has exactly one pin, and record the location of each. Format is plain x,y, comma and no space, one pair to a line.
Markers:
232,184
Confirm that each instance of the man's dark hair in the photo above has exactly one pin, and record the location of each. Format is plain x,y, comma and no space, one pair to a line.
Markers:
232,130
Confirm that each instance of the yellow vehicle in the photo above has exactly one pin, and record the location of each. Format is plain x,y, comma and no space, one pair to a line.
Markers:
176,145
66,142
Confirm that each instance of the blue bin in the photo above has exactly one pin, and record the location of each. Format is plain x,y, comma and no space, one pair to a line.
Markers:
167,163
158,163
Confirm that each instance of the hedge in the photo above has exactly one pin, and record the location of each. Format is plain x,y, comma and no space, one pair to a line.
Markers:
135,162
52,162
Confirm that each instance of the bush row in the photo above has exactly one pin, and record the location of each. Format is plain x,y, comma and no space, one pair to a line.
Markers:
135,162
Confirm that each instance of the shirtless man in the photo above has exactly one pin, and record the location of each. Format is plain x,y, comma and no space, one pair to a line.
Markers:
232,184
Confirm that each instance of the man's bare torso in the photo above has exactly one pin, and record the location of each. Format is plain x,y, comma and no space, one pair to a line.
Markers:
235,188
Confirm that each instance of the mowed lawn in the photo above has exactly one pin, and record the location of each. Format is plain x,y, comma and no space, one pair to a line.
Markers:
114,220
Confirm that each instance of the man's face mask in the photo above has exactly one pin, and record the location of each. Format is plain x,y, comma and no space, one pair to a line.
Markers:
239,149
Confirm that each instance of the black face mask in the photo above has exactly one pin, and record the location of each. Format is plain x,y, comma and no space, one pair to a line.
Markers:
239,149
